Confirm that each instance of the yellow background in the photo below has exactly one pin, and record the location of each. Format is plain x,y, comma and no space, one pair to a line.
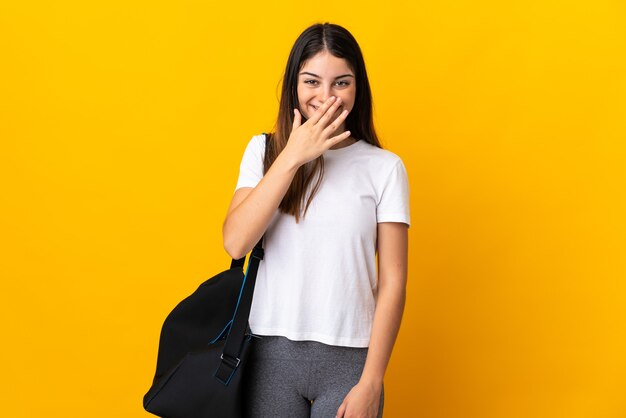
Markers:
122,125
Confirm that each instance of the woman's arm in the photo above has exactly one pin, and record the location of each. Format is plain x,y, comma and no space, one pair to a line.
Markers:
393,245
364,398
251,209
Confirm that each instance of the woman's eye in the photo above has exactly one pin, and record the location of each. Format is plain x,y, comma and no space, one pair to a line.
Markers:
339,83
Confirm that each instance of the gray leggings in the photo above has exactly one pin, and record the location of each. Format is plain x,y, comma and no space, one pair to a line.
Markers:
298,379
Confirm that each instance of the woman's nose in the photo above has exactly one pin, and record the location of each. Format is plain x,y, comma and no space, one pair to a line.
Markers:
326,93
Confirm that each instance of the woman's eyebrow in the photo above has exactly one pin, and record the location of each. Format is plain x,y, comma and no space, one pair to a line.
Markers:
315,75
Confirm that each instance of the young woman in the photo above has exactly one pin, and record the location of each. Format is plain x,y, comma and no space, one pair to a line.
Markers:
328,199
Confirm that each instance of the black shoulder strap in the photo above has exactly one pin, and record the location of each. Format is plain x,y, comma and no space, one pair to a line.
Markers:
236,335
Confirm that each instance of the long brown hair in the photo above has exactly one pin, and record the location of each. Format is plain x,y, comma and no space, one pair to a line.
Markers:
340,43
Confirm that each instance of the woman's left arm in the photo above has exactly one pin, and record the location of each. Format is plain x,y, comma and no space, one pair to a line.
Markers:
363,400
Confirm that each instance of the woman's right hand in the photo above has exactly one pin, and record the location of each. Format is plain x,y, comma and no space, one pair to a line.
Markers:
311,139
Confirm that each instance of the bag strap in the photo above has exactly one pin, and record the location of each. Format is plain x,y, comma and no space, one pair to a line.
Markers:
234,342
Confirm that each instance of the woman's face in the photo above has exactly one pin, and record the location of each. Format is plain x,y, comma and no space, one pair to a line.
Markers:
321,77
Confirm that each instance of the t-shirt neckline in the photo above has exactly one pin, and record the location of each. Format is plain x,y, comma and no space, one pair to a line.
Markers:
342,149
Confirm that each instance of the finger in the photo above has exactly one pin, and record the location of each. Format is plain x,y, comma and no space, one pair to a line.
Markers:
336,123
337,139
321,110
330,113
297,119
341,410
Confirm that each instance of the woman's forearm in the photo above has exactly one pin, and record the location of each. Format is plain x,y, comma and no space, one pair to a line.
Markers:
245,224
387,318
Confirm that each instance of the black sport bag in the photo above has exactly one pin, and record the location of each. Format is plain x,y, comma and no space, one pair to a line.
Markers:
204,345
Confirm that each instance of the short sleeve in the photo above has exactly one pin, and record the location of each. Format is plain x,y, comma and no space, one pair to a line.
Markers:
394,199
251,167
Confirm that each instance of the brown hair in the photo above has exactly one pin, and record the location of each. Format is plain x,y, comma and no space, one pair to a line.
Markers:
340,43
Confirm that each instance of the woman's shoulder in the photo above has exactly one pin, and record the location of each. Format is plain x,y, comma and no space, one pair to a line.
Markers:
256,144
381,154
259,138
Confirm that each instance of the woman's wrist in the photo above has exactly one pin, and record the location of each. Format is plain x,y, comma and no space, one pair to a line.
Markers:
371,380
286,163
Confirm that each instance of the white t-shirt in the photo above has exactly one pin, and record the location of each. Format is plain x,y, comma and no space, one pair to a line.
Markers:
318,280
